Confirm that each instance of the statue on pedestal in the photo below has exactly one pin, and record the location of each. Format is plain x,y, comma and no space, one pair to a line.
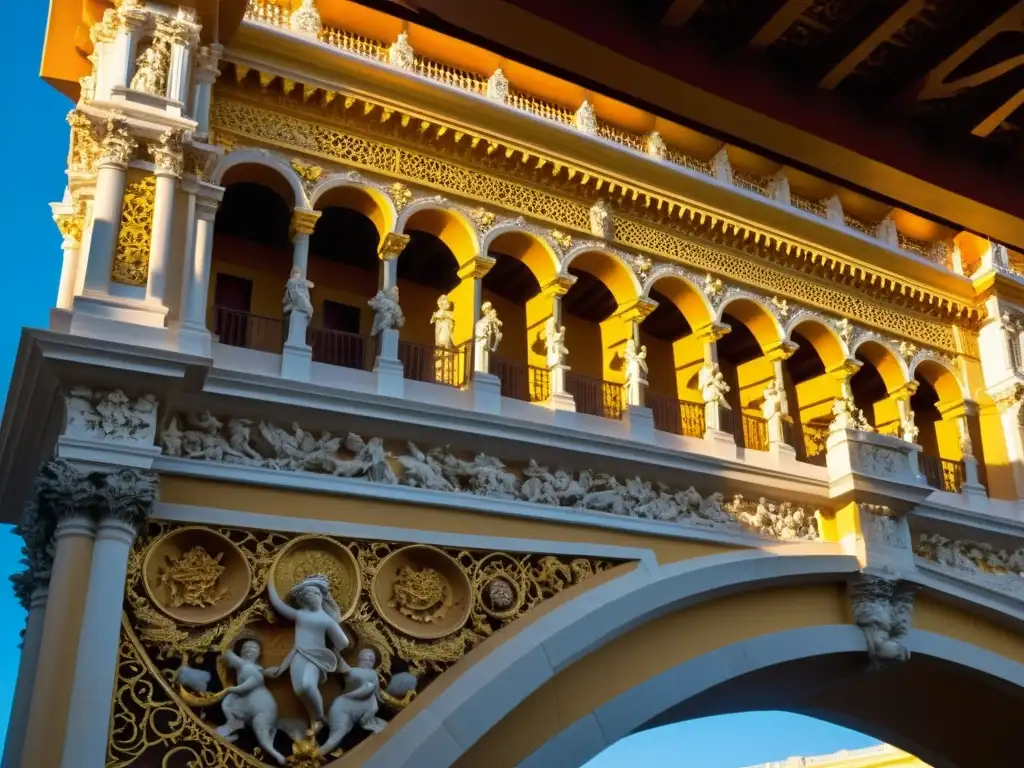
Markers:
712,384
554,342
488,327
151,69
296,294
443,321
636,363
387,314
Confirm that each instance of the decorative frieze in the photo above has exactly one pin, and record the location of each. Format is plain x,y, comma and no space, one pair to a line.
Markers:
110,415
243,442
978,562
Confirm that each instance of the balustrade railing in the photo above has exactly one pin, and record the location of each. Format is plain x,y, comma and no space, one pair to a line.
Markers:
595,396
942,474
676,416
520,381
814,440
349,350
755,432
425,362
244,329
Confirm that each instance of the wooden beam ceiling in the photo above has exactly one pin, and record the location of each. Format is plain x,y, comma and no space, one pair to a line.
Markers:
680,12
779,22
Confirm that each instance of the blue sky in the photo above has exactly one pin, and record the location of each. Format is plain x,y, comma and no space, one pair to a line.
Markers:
35,139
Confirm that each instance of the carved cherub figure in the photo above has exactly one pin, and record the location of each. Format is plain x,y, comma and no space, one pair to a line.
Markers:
358,704
443,321
388,314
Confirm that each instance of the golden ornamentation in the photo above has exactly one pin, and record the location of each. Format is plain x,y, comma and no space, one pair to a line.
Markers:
70,226
421,594
153,718
392,245
483,219
85,149
131,260
869,304
563,240
117,145
318,555
192,579
400,194
309,173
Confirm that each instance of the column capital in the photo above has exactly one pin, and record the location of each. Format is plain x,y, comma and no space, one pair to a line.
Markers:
638,309
168,155
558,286
845,369
71,226
904,391
392,245
128,495
712,331
477,267
781,350
303,222
117,144
206,207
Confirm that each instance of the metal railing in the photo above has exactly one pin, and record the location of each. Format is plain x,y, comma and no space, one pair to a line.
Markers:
521,381
943,474
755,432
244,329
595,396
676,416
425,362
349,350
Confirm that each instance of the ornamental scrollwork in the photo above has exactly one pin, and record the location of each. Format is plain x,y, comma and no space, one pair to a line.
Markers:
384,619
131,258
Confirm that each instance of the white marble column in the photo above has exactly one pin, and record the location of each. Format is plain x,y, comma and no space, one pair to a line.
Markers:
117,149
167,157
184,37
206,75
303,223
391,248
196,278
26,679
70,225
559,399
128,499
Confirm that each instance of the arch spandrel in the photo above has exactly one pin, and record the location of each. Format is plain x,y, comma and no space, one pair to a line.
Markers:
688,298
446,224
616,276
533,251
260,167
338,190
761,321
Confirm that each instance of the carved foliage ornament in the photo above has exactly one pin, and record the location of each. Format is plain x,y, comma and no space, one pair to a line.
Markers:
174,677
883,608
131,259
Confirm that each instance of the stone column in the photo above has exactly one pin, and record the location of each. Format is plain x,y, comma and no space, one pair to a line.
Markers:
559,399
195,280
637,417
26,678
168,160
303,223
719,420
70,225
485,386
971,487
391,248
908,428
389,370
127,500
206,75
117,148
184,36
69,497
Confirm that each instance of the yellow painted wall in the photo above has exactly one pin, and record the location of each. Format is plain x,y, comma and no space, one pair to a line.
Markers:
689,359
513,326
661,365
419,302
1001,482
583,338
753,376
615,332
814,398
343,284
267,267
538,310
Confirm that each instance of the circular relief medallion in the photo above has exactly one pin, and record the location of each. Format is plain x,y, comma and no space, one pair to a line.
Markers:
421,591
319,556
499,587
195,575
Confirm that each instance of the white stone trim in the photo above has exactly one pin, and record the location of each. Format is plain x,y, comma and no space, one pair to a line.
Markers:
266,158
184,513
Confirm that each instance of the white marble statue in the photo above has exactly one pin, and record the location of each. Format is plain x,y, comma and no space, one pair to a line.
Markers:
151,69
554,343
443,321
636,363
374,458
712,384
424,470
248,702
601,220
357,706
772,400
488,327
387,314
296,294
316,617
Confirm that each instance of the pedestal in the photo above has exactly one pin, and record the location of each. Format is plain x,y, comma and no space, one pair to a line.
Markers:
486,389
715,422
194,340
972,489
297,362
639,422
867,467
387,366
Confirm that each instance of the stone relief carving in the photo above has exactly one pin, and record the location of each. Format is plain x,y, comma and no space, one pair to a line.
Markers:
387,314
110,415
248,703
601,220
879,460
440,469
151,68
976,561
883,609
882,527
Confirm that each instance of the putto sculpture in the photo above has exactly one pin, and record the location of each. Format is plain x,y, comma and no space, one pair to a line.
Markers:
296,294
357,706
554,343
635,363
443,321
713,388
248,702
387,313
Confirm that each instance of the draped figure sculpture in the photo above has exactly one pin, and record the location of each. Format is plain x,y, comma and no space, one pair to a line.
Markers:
317,619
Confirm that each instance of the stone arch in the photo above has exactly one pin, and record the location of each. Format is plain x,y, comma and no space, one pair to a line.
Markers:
529,248
682,292
261,167
339,190
887,362
607,267
941,377
760,320
823,337
446,224
542,666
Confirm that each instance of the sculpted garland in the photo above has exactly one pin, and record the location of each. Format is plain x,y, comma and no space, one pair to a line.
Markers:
366,625
243,442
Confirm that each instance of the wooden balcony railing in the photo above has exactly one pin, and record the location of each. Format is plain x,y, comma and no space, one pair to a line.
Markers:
520,381
594,396
676,416
425,362
755,432
244,329
349,350
942,474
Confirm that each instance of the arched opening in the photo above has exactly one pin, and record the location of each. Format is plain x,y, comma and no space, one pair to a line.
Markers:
428,279
945,427
743,360
878,385
675,356
345,271
597,331
522,264
252,258
810,376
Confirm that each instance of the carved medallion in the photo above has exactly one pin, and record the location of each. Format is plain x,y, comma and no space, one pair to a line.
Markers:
313,555
196,576
421,591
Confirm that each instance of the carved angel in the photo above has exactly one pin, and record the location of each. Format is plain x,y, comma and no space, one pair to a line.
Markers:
357,705
248,702
424,470
371,453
